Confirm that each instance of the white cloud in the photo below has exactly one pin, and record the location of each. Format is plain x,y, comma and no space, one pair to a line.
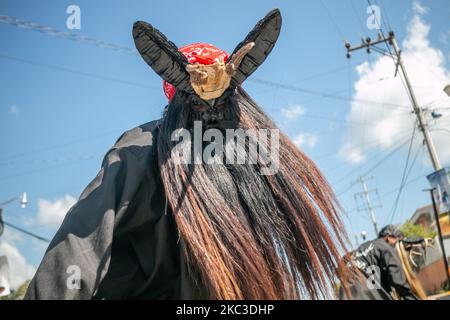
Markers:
52,213
11,235
19,270
419,8
305,139
352,155
293,112
389,125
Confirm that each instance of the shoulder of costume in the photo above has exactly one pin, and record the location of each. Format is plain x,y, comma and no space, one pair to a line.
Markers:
139,142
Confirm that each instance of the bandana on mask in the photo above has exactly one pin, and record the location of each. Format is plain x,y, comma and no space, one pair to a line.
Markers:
201,53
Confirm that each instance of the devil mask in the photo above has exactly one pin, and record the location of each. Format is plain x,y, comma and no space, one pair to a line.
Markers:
201,71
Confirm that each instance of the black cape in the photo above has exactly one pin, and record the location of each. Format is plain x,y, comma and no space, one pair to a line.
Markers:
120,234
391,275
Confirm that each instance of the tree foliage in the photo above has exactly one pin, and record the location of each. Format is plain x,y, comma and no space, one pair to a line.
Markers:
17,294
412,230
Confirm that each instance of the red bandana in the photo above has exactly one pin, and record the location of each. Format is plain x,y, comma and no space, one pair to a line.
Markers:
201,53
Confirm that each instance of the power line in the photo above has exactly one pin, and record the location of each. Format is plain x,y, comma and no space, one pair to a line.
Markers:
26,232
51,160
416,178
353,171
404,175
56,146
20,23
347,122
336,26
442,131
261,81
365,146
78,72
389,51
96,76
6,177
100,43
318,98
388,155
398,148
321,74
356,15
385,21
322,94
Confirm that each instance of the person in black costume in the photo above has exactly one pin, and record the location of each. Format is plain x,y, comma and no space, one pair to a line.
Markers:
379,269
151,226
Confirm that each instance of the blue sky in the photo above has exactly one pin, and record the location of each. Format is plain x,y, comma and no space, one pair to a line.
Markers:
64,103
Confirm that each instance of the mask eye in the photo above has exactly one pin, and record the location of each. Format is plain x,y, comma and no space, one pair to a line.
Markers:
197,104
222,103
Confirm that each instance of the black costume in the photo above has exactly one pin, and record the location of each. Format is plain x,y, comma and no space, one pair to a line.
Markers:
380,254
122,215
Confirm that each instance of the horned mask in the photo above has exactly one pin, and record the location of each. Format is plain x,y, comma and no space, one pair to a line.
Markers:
208,81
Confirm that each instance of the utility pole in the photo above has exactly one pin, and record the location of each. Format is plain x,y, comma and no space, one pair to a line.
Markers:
365,195
370,45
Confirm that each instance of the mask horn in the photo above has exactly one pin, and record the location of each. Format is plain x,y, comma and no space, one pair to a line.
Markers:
264,35
161,55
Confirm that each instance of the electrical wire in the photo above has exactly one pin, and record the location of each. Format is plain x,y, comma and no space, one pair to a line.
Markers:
416,178
100,43
320,74
396,61
78,72
20,23
57,146
47,161
385,21
363,146
336,26
26,173
31,234
385,158
357,16
322,94
404,175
